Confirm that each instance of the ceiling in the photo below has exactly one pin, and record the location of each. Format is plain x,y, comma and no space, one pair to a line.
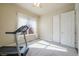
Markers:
45,7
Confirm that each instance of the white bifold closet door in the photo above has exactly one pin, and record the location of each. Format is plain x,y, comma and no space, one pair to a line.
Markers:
56,34
64,28
68,29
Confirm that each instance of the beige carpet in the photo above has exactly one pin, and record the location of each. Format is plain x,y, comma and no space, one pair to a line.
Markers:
45,48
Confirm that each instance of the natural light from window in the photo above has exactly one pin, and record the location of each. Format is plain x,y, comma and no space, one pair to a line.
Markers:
25,20
48,46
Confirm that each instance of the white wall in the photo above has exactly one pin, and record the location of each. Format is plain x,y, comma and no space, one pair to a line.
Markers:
8,22
45,28
77,24
46,23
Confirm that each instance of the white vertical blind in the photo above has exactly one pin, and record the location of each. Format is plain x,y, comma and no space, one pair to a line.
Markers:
22,20
32,24
25,20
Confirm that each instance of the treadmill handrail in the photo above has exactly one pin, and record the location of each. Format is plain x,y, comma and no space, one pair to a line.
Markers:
21,29
10,32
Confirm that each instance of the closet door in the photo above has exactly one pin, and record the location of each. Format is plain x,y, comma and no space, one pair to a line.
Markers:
56,35
68,29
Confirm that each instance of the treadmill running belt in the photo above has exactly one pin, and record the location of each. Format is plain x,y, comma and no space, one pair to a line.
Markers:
9,49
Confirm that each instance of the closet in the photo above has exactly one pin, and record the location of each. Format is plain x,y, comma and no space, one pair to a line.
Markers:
56,29
64,28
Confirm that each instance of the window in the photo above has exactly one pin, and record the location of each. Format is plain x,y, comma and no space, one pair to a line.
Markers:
25,20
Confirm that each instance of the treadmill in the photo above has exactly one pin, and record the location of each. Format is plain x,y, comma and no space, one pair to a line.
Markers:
16,50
